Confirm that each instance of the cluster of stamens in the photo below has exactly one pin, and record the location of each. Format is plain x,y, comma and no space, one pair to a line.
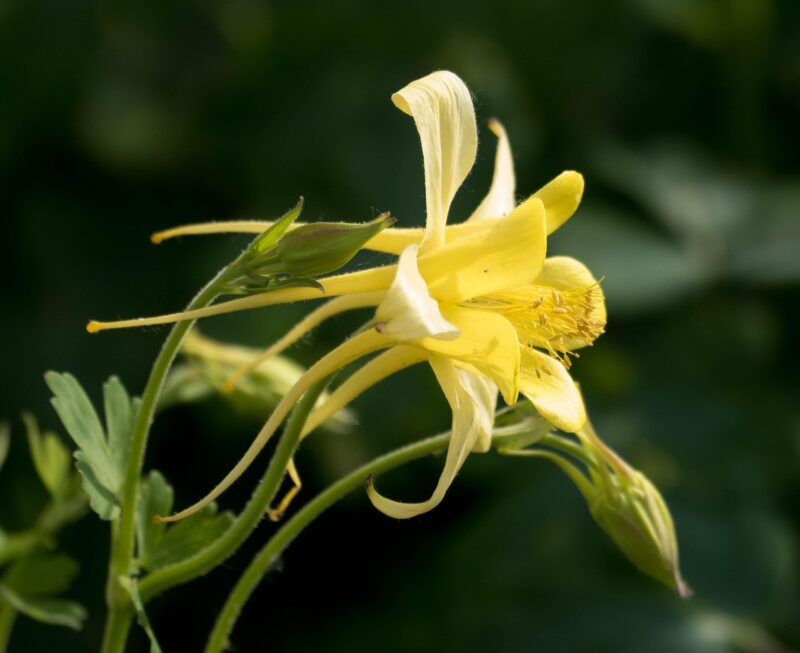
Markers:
557,321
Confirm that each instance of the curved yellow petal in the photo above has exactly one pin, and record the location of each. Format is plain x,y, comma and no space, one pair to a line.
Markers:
493,256
488,344
550,388
312,320
383,365
472,419
499,201
566,275
442,109
561,198
349,351
407,311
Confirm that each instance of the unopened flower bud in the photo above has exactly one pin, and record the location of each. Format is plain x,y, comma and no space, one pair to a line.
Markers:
320,248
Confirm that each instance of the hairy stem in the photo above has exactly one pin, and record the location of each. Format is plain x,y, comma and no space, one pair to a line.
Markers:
124,529
253,513
283,537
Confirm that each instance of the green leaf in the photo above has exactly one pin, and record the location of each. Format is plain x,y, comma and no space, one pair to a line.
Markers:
132,588
190,536
102,456
50,458
156,499
41,574
271,236
17,545
102,500
160,545
50,611
120,415
5,440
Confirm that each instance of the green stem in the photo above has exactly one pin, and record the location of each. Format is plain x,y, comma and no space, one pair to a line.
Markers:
283,537
7,616
249,518
124,531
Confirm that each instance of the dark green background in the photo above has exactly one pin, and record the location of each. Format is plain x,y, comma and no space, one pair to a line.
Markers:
120,118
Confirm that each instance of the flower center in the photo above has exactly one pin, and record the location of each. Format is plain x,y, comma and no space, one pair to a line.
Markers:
558,321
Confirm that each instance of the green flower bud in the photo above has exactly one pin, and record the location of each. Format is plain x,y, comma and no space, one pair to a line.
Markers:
633,513
323,247
622,500
282,257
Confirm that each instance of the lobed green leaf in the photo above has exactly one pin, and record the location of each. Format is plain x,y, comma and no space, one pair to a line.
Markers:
57,612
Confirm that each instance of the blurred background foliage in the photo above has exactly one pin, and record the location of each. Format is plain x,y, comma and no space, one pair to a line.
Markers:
120,118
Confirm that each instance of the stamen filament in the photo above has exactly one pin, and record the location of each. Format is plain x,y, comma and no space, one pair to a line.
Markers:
275,514
353,349
362,281
309,322
380,367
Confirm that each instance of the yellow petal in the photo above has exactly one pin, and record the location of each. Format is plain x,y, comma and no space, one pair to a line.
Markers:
488,345
492,256
309,322
408,312
567,274
472,419
550,388
349,351
499,201
442,110
363,281
561,197
380,367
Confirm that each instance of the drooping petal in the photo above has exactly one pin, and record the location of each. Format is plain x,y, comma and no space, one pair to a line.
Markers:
472,421
550,388
561,197
442,109
499,201
408,312
496,255
568,275
488,345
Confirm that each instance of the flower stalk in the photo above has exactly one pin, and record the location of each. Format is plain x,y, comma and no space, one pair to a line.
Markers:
353,481
123,531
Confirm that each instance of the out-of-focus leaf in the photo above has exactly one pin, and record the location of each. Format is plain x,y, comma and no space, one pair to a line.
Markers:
689,194
5,439
42,574
16,545
50,611
161,545
256,393
185,384
50,458
639,268
102,455
767,251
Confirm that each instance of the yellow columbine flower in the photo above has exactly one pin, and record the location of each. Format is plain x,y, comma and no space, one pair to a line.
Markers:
478,301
